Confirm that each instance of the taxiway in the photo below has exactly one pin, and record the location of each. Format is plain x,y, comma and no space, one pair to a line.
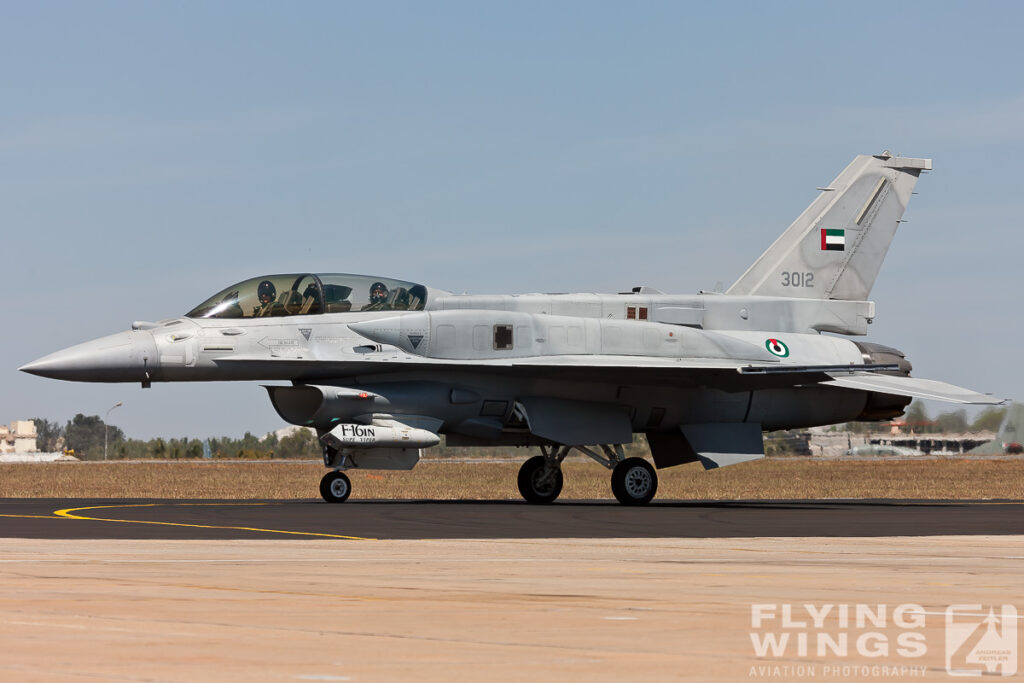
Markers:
204,519
371,591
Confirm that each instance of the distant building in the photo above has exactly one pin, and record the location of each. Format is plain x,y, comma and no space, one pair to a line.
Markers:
937,444
894,442
20,437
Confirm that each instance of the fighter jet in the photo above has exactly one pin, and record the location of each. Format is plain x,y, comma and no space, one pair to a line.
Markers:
382,368
1009,437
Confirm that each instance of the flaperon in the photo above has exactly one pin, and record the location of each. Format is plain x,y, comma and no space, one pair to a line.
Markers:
701,375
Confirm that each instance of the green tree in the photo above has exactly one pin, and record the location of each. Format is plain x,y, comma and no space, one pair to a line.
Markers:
194,449
988,420
85,435
48,435
954,421
916,417
302,443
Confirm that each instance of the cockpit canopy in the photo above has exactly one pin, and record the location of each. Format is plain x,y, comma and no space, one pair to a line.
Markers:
308,294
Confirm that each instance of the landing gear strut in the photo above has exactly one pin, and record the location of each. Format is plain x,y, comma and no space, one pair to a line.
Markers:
540,477
335,487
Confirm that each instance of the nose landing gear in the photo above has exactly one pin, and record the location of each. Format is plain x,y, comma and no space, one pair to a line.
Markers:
335,487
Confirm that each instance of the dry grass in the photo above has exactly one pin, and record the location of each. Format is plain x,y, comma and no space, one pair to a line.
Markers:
775,478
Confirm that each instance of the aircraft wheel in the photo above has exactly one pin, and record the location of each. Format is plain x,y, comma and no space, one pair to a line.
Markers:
538,482
335,487
634,482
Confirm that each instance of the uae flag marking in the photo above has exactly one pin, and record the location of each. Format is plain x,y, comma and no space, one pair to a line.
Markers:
833,239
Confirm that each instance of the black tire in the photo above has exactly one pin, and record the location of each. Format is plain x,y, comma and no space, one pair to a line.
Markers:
335,487
537,482
634,482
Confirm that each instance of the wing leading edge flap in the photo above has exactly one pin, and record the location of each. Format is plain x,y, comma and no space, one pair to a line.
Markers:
724,444
911,386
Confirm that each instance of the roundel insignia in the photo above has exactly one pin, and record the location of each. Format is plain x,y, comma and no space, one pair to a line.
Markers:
777,348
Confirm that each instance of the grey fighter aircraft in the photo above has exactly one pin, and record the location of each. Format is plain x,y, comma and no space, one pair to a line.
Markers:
380,368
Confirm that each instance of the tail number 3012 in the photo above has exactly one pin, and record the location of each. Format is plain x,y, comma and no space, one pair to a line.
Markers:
797,279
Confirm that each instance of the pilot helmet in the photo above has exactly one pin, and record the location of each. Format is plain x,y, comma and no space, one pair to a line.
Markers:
378,292
266,292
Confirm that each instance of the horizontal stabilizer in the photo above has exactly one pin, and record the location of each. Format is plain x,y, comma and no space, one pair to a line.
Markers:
912,386
723,444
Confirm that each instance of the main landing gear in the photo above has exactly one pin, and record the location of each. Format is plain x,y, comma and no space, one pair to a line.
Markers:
634,481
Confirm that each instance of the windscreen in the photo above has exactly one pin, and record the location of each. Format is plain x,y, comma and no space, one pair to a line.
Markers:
267,296
307,294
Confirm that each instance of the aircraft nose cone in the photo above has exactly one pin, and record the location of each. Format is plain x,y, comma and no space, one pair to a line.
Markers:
122,357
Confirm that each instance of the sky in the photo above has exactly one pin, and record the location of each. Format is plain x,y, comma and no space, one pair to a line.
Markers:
153,153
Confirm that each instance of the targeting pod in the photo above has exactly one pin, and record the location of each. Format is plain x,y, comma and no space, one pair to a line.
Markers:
389,434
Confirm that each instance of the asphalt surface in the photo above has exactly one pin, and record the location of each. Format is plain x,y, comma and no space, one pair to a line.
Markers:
203,519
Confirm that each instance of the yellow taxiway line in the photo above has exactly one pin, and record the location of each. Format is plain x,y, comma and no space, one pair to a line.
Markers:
69,513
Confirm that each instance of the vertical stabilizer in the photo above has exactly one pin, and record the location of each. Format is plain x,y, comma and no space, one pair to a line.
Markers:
1011,432
1010,436
836,247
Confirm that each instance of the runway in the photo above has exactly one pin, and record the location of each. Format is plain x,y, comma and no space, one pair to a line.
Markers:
173,590
355,520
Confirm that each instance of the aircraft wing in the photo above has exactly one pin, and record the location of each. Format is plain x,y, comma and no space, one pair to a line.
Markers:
910,386
724,374
718,373
765,375
401,363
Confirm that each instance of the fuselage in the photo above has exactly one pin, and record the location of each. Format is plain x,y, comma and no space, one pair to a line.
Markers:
464,361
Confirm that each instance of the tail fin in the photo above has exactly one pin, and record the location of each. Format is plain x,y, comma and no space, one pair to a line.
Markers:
1011,432
1009,438
836,247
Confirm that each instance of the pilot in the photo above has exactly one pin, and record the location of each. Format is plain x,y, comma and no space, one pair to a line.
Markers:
311,299
401,302
266,293
378,297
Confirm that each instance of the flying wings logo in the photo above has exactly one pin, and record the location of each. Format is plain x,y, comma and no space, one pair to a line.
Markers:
833,239
777,348
980,642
